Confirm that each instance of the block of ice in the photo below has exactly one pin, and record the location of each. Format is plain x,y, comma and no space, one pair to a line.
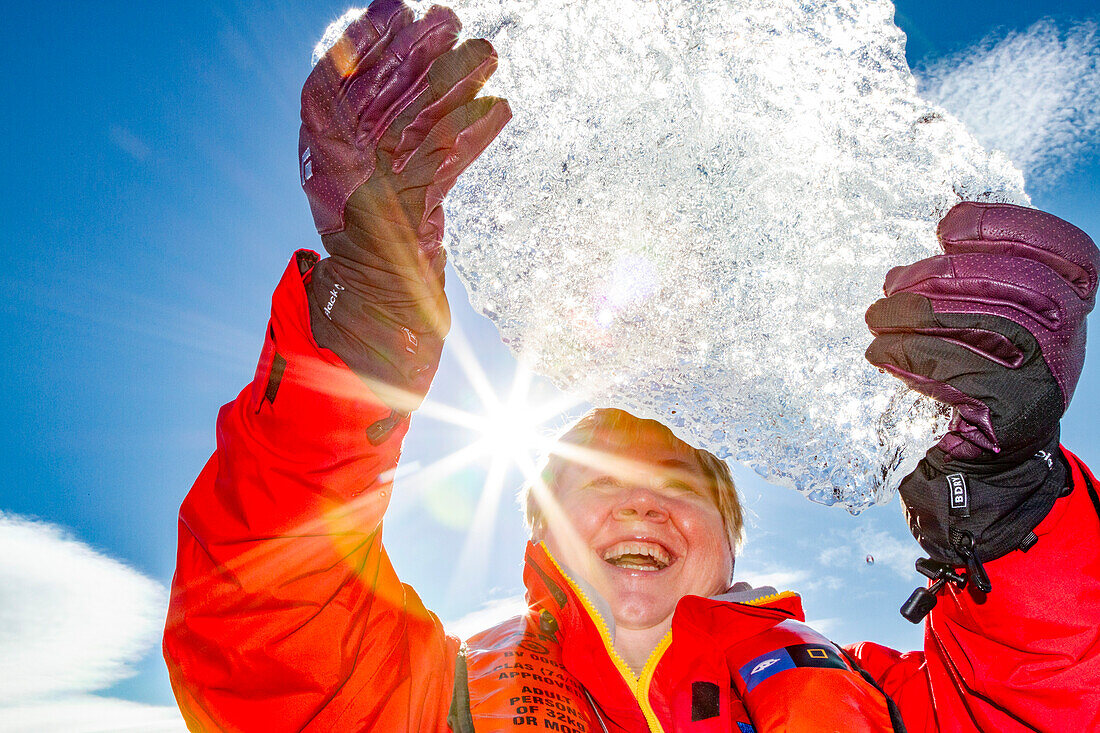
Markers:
693,207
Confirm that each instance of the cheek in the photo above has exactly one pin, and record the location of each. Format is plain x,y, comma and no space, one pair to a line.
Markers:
585,511
706,533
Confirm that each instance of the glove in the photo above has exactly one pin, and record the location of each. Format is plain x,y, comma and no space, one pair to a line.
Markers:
390,118
995,328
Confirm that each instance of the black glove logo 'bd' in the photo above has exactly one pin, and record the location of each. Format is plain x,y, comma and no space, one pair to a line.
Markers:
995,327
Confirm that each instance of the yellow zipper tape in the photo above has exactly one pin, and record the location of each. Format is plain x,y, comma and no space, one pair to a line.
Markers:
768,599
639,686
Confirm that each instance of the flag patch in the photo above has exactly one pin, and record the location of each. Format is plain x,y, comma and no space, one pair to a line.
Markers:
796,655
816,655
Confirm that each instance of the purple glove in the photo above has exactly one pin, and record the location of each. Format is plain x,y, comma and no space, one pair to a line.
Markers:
390,118
995,327
370,105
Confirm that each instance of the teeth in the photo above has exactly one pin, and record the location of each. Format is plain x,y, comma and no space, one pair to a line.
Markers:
636,555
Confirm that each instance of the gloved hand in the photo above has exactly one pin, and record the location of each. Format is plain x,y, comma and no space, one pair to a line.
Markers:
995,328
390,118
393,97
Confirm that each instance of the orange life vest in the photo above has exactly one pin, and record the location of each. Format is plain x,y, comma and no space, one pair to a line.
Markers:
726,662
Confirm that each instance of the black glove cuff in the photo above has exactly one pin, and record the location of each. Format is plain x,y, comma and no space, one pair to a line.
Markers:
991,508
385,322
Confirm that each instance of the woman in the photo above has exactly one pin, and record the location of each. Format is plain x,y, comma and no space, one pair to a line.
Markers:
286,613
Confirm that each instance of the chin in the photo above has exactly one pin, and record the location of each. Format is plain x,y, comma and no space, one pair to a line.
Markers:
642,610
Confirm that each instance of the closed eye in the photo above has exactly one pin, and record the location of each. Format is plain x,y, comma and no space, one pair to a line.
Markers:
603,482
680,488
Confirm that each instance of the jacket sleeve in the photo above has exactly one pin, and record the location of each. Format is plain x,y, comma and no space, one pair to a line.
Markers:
791,678
285,613
1026,657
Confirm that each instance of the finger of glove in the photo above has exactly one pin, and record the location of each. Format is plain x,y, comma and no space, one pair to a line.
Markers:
927,364
1018,288
367,36
961,442
430,232
454,79
455,142
447,86
383,91
909,313
1027,233
359,47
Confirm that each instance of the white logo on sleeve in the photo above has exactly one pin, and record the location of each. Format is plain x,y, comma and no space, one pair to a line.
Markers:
763,665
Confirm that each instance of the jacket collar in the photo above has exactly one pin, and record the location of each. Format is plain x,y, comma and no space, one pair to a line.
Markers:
550,585
586,627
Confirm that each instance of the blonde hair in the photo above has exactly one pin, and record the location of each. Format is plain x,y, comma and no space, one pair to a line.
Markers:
613,430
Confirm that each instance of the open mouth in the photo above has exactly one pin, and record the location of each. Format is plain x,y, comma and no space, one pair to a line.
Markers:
638,555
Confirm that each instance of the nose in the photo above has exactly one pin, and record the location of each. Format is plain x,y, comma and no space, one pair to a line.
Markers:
641,503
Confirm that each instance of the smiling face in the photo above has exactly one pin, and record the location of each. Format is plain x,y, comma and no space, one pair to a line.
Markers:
638,520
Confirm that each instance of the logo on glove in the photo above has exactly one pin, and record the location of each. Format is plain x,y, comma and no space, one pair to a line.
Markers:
307,166
332,296
960,495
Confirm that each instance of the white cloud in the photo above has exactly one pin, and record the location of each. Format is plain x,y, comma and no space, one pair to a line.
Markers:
72,621
89,714
130,143
827,627
1034,95
852,547
780,579
488,615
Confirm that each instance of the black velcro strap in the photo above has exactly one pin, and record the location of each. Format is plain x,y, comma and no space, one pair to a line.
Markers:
274,377
704,701
1090,487
891,706
555,590
459,717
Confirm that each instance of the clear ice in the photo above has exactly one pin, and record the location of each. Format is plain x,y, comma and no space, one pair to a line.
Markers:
693,207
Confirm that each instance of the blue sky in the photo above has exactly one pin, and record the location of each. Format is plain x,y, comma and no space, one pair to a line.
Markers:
150,203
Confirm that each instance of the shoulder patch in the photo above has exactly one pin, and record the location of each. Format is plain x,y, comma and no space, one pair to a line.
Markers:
789,657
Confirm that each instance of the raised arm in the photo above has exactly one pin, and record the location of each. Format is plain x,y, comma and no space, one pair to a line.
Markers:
995,327
285,611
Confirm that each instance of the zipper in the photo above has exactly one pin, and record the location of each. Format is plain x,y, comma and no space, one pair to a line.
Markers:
922,600
639,686
769,598
646,679
595,709
963,543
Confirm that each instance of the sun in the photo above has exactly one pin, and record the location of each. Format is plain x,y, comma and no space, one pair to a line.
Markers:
507,434
509,428
513,431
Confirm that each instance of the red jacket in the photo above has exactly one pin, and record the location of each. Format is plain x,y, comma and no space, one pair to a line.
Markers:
1025,658
725,665
287,615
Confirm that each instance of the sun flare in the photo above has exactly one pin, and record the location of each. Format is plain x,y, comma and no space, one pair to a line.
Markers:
508,430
